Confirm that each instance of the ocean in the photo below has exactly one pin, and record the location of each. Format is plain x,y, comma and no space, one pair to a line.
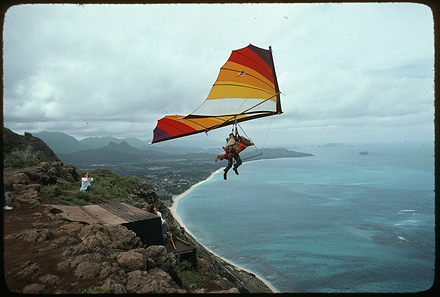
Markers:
335,222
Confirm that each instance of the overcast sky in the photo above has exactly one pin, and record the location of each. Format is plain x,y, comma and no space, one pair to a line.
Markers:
348,72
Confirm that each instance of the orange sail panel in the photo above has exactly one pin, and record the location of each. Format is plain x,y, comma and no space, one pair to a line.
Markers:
246,88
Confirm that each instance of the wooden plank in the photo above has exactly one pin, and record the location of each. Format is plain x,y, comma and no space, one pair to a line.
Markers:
110,213
128,212
75,213
105,216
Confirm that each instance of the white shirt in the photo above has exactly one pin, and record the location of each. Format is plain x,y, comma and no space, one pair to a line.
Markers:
160,215
85,182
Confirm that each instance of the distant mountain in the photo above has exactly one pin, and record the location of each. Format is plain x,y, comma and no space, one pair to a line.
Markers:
60,142
97,142
135,142
110,154
123,147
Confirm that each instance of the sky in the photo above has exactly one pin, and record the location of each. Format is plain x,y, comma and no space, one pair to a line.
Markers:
348,73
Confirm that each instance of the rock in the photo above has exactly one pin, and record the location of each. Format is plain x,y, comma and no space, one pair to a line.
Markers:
116,274
87,270
42,167
56,165
33,289
46,179
132,260
30,193
158,257
75,261
78,250
92,258
16,179
64,265
37,235
30,271
71,228
145,191
109,237
66,240
115,287
72,170
51,246
200,291
50,280
152,281
45,172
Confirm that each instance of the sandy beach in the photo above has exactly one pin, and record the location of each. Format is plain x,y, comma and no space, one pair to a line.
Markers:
176,216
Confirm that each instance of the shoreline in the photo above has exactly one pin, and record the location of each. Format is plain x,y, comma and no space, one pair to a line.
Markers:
175,201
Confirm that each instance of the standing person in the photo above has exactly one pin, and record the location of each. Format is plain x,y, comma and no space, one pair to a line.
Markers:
230,142
86,181
164,224
5,207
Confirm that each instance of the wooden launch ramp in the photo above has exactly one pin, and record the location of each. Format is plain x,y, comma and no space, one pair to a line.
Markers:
146,225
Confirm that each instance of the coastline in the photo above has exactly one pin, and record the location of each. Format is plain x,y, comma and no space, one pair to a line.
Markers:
173,208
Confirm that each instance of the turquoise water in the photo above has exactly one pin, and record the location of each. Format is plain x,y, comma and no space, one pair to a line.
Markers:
334,222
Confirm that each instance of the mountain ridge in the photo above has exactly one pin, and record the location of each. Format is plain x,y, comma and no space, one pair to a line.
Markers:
61,142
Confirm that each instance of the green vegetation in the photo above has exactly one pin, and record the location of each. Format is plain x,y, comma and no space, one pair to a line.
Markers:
96,290
107,187
165,197
52,191
187,274
14,160
113,256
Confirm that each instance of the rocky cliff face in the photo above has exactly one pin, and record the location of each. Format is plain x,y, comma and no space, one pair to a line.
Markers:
56,256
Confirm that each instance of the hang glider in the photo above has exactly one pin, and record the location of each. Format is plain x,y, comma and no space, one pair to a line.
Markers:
246,89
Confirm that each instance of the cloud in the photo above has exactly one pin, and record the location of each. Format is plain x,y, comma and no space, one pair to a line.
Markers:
98,70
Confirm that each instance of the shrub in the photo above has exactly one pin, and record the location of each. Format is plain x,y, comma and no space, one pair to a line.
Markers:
187,274
64,174
96,290
14,161
82,195
52,191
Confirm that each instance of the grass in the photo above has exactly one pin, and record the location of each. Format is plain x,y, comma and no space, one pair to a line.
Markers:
14,160
106,187
96,290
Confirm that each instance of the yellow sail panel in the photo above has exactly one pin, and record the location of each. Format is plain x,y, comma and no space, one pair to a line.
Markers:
233,72
226,90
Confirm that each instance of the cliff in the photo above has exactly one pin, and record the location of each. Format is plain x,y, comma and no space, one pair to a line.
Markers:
45,253
22,151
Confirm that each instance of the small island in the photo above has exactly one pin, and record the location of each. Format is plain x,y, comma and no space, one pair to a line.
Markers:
364,153
334,144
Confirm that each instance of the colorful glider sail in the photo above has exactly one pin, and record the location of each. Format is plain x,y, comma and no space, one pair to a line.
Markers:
245,89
